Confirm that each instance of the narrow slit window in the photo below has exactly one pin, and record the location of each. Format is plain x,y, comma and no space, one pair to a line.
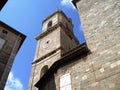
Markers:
3,34
49,24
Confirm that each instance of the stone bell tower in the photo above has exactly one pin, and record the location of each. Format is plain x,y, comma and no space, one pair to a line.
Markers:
56,39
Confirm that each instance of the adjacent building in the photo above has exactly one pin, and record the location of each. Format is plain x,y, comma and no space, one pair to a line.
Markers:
61,63
10,42
101,25
2,3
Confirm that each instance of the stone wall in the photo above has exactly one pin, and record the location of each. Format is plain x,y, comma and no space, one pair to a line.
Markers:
101,69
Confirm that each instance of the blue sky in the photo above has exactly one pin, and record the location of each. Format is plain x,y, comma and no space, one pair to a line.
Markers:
26,16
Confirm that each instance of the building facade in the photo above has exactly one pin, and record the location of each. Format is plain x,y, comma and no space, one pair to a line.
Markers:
10,42
101,25
94,65
2,3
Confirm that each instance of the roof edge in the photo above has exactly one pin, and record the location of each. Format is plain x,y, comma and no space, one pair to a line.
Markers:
57,11
4,25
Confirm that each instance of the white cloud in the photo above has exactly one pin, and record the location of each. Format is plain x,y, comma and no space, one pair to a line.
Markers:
13,83
67,3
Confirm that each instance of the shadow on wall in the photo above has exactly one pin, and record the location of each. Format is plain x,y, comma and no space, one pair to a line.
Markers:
49,84
43,70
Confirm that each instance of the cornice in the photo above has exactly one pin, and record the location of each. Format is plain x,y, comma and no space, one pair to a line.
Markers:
57,11
48,54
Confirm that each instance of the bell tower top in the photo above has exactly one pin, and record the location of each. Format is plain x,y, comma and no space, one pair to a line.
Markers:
57,34
55,18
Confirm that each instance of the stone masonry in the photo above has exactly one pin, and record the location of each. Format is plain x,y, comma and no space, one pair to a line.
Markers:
101,25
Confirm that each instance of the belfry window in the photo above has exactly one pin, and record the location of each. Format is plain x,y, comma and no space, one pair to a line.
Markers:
65,82
49,24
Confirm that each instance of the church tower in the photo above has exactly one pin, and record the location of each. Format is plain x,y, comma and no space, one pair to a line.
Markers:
55,40
61,64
